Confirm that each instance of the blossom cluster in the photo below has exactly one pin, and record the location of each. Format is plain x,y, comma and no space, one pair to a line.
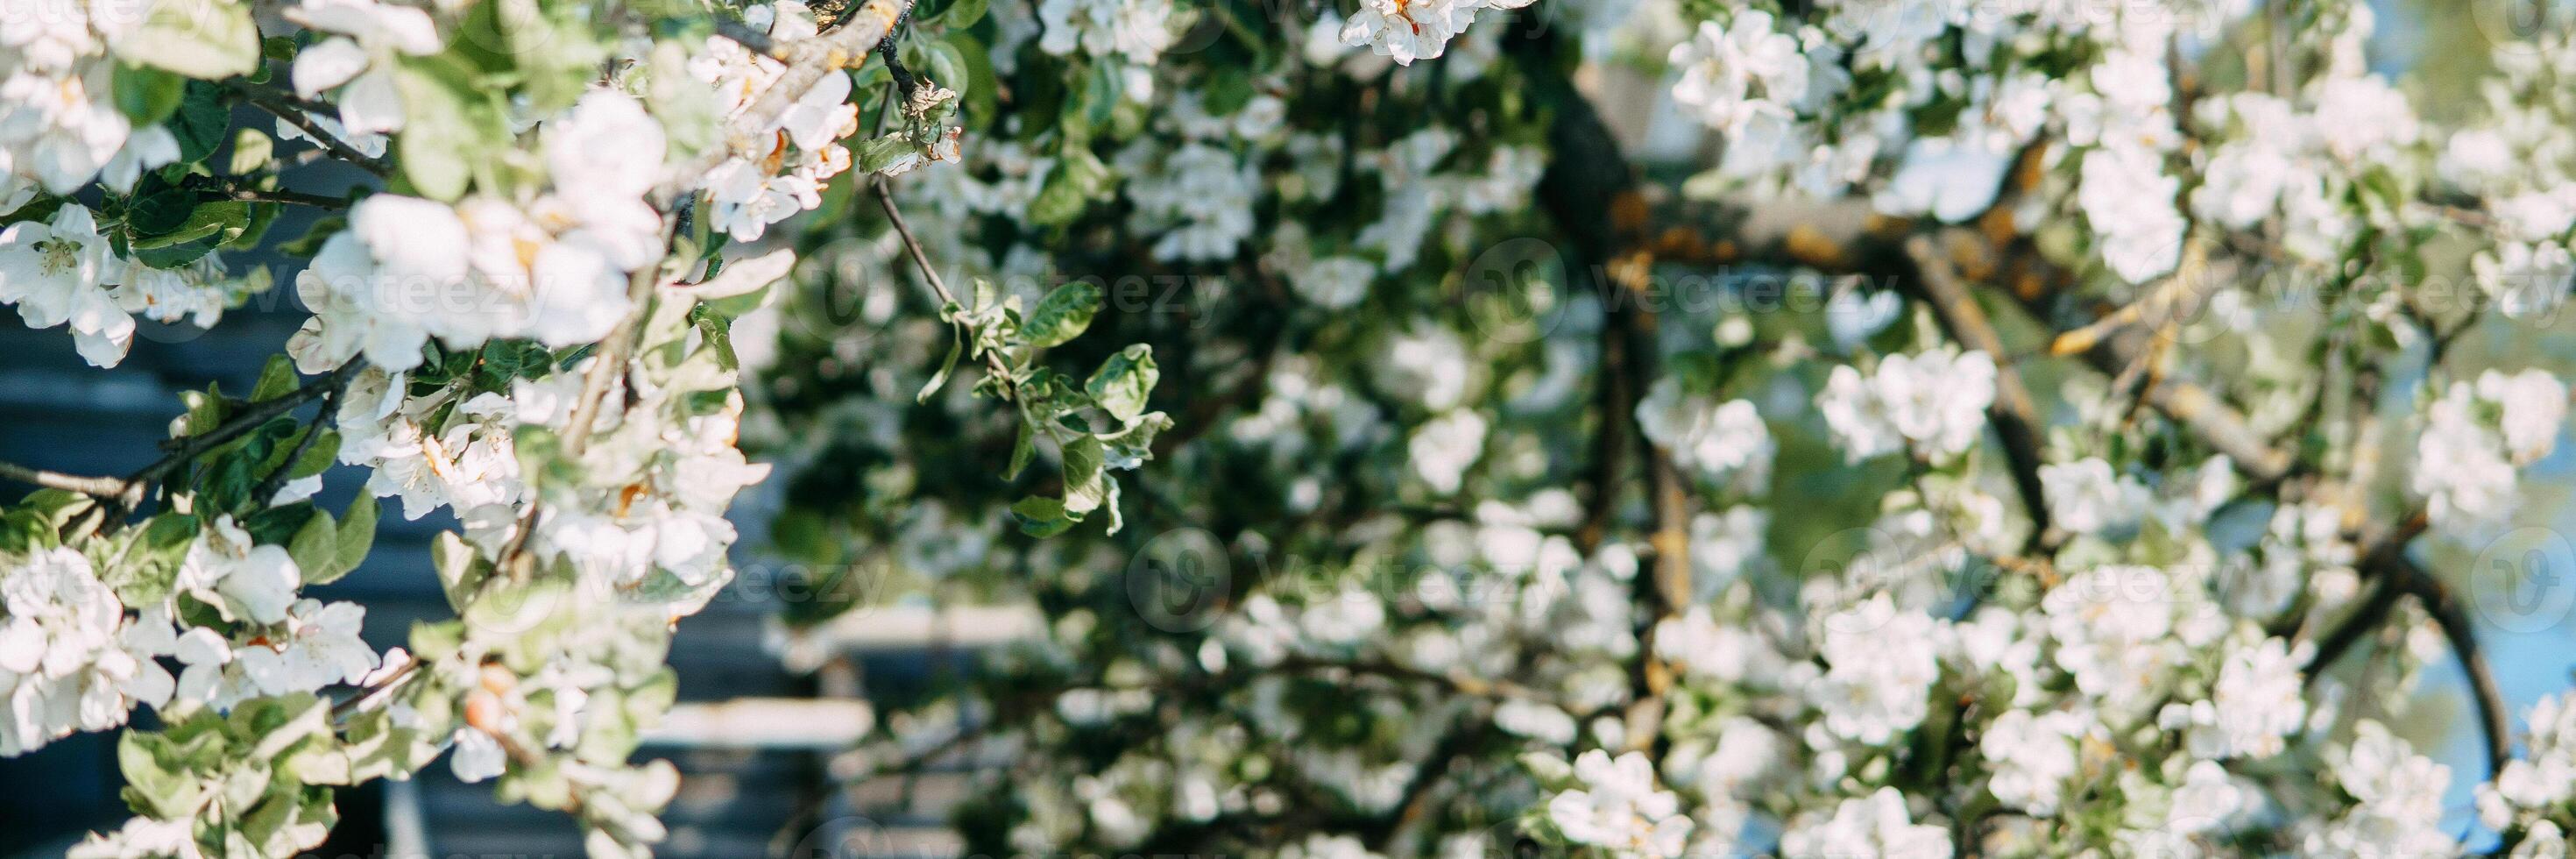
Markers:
1452,587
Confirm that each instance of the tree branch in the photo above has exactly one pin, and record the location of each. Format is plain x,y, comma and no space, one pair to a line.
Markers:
100,487
291,198
2015,418
807,60
1590,191
185,449
921,260
2456,626
293,111
268,486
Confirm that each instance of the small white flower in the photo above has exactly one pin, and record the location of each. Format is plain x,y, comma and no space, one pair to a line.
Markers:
57,272
1719,442
1935,400
249,582
2085,497
2129,202
2032,757
1620,807
2463,469
1876,826
1881,662
1445,446
359,60
1428,365
1139,30
321,647
1334,283
477,756
2532,405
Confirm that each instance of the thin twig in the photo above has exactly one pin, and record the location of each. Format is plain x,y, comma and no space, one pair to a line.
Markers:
1612,402
186,449
756,41
278,104
921,260
100,487
287,97
276,480
605,368
376,690
2015,418
291,198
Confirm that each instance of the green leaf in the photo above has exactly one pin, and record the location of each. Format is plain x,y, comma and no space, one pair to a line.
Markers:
1077,180
1062,315
154,558
1041,517
219,220
206,410
1136,440
201,121
317,457
252,149
311,242
444,135
356,538
962,14
1084,472
279,526
157,774
880,153
1022,449
276,379
455,562
947,66
148,95
154,208
1058,202
198,38
282,722
1123,383
947,366
979,98
719,335
316,548
1098,98
40,208
1109,504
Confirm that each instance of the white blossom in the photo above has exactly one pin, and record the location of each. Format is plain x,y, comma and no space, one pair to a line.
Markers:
2033,757
1874,826
1618,806
1881,661
58,273
360,57
2085,497
1935,401
1720,442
